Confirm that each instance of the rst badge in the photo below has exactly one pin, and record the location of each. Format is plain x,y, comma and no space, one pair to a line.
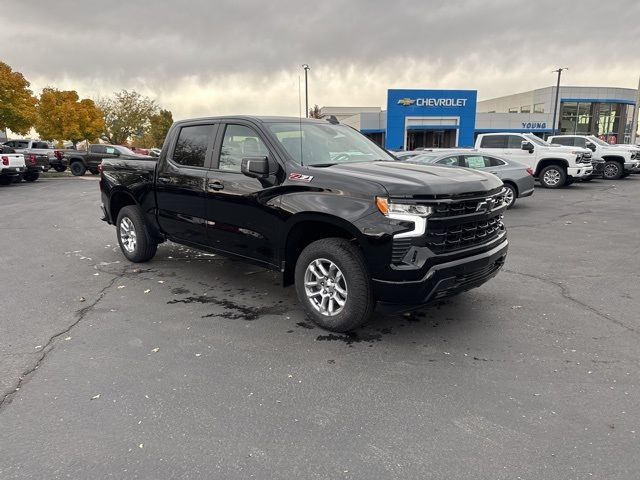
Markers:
298,177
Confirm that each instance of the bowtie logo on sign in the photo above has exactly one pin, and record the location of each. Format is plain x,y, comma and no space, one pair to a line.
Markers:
433,102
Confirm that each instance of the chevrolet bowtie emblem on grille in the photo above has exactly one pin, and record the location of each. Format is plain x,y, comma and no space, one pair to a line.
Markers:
406,101
485,205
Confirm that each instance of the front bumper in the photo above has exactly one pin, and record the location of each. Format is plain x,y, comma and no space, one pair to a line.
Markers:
632,167
443,280
580,171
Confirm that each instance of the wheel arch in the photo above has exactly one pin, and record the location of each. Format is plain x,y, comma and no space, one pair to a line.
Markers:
550,161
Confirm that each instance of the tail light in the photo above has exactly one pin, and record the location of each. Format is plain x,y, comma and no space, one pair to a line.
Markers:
32,159
58,154
530,171
100,167
5,160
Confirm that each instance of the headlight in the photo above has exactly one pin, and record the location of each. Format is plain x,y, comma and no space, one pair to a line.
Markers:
392,208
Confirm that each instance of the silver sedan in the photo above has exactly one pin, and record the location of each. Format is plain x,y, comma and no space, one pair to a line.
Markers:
517,178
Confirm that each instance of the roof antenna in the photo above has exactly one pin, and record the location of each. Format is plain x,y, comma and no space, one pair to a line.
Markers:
300,119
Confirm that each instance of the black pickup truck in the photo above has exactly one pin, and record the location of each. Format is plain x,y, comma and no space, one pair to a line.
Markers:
80,161
337,215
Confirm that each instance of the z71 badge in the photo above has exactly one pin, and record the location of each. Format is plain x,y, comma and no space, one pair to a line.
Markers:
300,178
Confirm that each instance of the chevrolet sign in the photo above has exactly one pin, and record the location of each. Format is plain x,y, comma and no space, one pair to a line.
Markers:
433,102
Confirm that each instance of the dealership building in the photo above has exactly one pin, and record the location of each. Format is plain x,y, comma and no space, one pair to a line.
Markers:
452,118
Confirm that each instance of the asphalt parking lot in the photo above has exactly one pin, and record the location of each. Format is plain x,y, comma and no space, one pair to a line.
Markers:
194,366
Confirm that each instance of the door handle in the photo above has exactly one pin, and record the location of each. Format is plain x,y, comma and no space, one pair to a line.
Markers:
215,185
164,179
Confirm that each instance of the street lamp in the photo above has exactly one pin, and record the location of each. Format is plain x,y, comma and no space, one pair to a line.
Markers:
306,90
555,105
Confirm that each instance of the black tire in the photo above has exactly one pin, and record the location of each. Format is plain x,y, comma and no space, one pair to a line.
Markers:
556,172
77,168
569,181
4,180
359,301
144,248
587,179
94,172
31,176
16,179
59,168
513,195
613,170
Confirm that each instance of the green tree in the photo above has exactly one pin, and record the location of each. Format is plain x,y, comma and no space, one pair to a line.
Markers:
17,103
126,115
159,127
63,116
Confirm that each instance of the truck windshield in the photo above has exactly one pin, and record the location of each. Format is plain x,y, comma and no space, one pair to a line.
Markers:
537,140
595,139
325,145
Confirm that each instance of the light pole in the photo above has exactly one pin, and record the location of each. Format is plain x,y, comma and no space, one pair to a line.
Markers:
555,105
306,90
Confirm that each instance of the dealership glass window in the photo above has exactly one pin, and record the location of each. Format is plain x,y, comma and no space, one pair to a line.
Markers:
513,110
525,109
538,108
628,122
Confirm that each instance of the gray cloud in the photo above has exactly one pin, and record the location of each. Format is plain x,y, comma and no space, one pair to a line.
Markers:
241,55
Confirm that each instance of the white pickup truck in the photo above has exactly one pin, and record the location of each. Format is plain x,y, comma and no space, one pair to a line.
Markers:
12,167
619,160
554,166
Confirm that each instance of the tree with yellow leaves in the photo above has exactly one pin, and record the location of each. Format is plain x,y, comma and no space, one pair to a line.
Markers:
63,116
17,103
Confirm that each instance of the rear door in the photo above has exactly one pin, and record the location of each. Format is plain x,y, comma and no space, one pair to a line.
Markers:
181,180
239,218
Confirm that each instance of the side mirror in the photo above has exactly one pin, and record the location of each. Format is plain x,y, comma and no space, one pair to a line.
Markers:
255,167
591,146
527,146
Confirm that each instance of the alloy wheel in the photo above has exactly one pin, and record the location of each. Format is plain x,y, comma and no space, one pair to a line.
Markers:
128,234
551,177
325,287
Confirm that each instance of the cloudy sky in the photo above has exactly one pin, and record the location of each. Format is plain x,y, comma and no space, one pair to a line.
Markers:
210,57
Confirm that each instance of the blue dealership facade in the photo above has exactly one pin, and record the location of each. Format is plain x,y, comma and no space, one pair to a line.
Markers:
423,118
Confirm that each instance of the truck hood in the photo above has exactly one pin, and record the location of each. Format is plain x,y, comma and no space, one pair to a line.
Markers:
569,149
407,180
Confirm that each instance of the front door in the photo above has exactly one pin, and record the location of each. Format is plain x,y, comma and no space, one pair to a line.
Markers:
180,184
239,218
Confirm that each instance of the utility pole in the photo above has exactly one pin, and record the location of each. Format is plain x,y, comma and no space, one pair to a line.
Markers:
306,90
634,124
555,105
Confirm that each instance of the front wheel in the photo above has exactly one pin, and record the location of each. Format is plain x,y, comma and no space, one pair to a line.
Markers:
612,170
133,235
553,176
332,283
78,169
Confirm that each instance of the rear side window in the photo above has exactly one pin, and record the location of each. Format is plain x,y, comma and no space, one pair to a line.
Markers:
568,141
191,147
514,141
449,161
494,162
97,149
494,141
475,161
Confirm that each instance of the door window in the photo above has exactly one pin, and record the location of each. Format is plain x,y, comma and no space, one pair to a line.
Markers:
494,162
514,141
110,150
98,149
240,142
567,141
192,144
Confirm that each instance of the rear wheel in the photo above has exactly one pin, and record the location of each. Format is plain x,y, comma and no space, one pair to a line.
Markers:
59,168
77,168
510,195
553,176
332,283
612,170
31,176
6,180
133,235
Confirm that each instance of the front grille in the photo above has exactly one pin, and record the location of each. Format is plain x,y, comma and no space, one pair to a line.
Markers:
463,235
468,280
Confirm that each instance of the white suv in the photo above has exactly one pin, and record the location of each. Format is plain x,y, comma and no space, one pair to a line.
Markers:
554,166
619,160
